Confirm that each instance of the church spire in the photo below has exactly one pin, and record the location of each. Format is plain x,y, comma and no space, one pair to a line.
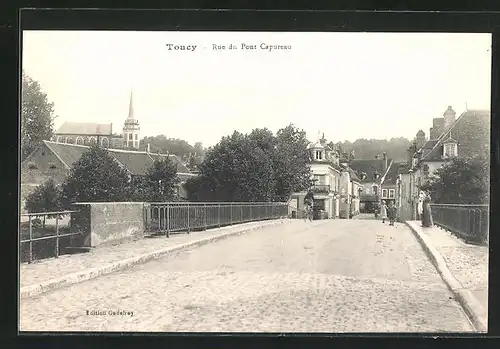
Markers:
131,107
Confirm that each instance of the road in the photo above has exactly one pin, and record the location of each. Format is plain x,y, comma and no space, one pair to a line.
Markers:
319,276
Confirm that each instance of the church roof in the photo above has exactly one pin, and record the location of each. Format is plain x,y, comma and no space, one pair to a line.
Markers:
135,162
85,128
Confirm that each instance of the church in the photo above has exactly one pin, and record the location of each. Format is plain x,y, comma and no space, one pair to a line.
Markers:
87,133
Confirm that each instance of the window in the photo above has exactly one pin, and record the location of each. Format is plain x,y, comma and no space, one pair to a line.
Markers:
375,190
136,137
384,193
319,179
450,150
130,136
391,194
318,155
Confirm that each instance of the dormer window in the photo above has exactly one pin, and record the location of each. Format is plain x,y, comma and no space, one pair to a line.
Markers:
318,155
450,150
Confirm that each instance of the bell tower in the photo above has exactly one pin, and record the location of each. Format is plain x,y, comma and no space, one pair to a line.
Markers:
131,127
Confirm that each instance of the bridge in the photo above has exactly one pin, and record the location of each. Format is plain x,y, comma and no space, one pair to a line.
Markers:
284,275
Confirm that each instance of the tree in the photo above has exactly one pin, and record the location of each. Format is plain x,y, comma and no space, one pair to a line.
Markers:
165,145
159,183
199,150
461,181
291,161
192,163
96,177
255,167
395,148
45,198
37,116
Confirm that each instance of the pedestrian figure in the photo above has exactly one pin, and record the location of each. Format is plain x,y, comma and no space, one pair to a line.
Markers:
308,206
426,211
383,211
376,211
391,213
420,207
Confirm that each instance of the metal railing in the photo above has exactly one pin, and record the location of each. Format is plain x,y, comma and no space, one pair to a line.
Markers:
469,222
320,188
169,217
51,239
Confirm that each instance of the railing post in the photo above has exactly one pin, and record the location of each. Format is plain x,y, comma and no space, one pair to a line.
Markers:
241,213
159,218
57,236
218,215
31,240
251,216
204,216
168,220
188,223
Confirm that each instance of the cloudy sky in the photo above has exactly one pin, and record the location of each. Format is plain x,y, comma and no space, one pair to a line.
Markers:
347,85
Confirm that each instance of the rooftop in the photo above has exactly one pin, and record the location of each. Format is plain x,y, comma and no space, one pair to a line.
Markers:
136,162
368,167
85,128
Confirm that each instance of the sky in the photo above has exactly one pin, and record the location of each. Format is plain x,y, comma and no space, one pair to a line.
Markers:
345,85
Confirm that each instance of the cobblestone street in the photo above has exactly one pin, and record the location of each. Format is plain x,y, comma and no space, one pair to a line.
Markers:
320,276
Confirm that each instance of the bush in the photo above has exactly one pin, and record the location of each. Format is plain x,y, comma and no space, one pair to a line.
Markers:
45,198
461,181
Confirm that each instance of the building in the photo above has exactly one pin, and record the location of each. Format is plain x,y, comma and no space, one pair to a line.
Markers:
356,189
54,160
371,173
464,137
87,133
388,193
333,183
326,175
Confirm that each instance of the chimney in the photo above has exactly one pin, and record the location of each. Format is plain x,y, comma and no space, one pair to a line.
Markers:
410,151
385,161
449,118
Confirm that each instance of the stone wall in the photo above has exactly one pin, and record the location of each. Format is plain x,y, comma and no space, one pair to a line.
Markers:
105,223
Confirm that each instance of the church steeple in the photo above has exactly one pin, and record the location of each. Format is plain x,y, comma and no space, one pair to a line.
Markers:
131,107
131,127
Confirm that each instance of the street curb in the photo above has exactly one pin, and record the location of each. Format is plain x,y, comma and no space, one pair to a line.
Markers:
474,310
88,274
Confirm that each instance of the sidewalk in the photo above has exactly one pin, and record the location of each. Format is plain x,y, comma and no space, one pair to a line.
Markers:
464,268
51,273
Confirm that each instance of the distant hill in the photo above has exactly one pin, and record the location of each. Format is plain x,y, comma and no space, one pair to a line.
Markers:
369,148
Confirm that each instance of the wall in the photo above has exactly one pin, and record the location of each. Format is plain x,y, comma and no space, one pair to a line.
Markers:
331,176
345,194
433,165
368,188
107,223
